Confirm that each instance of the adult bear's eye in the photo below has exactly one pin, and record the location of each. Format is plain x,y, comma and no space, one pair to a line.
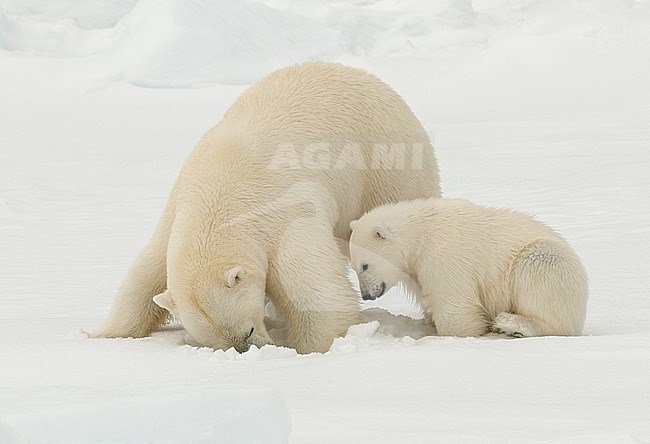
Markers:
364,267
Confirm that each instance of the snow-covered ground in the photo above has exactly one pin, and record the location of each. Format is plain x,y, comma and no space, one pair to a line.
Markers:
539,105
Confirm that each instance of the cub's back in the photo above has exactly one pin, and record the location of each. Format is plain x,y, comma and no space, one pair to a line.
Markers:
487,224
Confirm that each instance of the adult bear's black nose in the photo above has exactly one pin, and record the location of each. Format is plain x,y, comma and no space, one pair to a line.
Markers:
241,343
367,297
242,346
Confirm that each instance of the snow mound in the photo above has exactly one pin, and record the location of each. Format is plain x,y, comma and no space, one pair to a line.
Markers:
232,415
181,43
247,31
172,43
89,14
399,28
60,29
185,43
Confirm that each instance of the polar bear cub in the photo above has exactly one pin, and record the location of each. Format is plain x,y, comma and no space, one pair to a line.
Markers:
473,269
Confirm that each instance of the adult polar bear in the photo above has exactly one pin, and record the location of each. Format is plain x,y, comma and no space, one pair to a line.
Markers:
261,202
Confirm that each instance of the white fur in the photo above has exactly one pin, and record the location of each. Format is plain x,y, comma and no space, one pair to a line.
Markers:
473,269
261,203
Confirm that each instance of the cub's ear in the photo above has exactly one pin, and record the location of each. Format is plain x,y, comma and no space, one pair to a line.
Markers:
352,224
381,232
233,276
165,301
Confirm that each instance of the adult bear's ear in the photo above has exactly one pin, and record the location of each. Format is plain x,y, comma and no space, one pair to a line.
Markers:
381,232
233,276
352,224
165,301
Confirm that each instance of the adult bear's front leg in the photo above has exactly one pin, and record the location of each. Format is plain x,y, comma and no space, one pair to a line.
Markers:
308,284
134,314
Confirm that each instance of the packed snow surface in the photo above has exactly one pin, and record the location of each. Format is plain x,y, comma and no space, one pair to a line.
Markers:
542,106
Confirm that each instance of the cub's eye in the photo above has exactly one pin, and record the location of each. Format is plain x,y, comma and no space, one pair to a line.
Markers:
364,267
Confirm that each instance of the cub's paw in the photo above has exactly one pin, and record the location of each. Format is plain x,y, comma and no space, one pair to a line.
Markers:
513,325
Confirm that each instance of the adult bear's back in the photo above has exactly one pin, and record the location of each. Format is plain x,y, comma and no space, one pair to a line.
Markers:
319,106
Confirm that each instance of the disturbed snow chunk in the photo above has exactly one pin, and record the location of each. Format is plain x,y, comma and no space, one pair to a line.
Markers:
364,330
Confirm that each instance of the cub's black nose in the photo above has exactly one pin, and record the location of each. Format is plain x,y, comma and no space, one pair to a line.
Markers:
367,297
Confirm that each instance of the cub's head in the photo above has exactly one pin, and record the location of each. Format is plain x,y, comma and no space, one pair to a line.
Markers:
376,253
222,306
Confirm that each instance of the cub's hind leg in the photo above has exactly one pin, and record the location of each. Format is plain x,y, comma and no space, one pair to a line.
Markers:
549,291
515,325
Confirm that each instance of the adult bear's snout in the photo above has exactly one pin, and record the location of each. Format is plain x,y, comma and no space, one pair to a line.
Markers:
374,293
242,347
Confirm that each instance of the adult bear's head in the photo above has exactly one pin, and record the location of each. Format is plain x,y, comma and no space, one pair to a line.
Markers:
221,306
